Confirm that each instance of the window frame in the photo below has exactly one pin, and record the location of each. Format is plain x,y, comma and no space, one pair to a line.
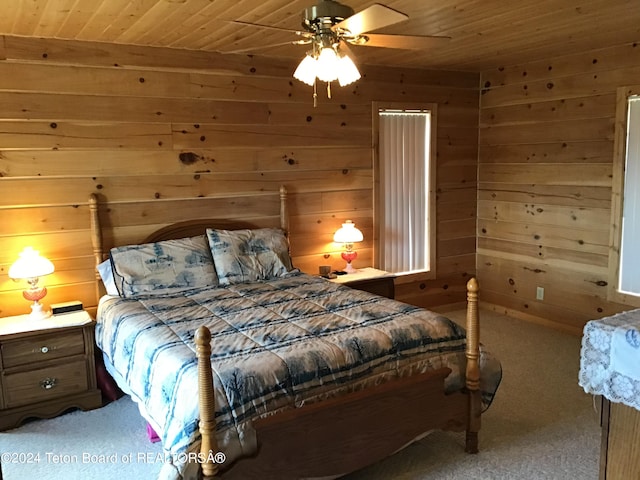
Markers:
617,196
377,201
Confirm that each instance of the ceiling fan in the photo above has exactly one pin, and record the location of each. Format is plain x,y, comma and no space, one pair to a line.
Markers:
330,27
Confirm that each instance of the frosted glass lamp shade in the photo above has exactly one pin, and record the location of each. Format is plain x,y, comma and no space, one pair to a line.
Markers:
328,65
348,233
30,264
306,71
347,71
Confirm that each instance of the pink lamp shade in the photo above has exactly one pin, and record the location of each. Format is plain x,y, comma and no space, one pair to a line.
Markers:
348,234
31,266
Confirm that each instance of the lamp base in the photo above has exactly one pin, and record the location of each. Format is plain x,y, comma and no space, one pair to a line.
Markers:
349,256
349,269
38,312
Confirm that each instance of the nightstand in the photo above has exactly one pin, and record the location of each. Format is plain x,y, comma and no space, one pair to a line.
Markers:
46,367
370,280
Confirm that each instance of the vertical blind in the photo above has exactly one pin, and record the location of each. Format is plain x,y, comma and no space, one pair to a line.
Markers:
630,251
404,190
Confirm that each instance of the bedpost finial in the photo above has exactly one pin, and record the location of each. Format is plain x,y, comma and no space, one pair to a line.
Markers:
472,285
203,336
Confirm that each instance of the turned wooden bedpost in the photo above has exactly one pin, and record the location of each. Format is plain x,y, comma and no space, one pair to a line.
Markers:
209,446
96,242
473,366
284,214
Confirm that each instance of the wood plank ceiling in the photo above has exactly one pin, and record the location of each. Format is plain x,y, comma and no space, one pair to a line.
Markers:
485,34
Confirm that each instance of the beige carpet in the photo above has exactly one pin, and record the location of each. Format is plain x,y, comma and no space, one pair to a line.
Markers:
540,426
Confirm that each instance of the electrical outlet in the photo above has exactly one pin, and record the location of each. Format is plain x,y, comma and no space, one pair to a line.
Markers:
540,293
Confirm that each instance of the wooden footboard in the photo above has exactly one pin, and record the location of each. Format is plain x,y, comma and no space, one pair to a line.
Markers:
338,436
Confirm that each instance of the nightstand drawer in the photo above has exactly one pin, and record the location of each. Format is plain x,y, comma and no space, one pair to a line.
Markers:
45,383
42,347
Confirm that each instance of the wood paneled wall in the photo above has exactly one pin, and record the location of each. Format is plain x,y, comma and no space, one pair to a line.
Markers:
154,130
545,173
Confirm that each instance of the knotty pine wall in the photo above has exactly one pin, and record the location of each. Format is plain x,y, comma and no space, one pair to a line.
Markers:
153,131
545,173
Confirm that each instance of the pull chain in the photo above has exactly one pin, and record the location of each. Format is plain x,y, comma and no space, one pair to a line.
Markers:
315,93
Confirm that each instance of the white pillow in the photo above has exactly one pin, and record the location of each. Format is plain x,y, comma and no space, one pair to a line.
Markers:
106,274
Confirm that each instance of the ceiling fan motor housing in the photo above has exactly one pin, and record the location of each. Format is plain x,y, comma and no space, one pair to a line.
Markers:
324,15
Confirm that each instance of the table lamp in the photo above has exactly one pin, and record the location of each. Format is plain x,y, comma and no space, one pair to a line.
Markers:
31,266
348,235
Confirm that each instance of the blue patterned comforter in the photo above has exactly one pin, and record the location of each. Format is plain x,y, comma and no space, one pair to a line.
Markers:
276,344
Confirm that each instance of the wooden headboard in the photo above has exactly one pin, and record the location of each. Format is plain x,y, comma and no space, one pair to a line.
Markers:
182,229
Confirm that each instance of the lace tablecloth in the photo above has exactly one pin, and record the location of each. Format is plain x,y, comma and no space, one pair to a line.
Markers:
610,358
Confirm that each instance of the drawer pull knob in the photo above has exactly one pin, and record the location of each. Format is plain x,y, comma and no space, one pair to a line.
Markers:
48,383
44,349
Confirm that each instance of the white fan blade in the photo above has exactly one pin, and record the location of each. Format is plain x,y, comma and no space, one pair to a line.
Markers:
372,18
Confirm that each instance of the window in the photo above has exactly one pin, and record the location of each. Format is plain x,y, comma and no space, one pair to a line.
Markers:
624,261
405,220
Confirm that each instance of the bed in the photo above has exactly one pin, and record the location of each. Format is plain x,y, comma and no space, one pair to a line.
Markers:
268,372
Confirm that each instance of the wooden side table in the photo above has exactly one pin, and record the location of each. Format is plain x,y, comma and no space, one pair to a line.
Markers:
46,367
370,280
620,441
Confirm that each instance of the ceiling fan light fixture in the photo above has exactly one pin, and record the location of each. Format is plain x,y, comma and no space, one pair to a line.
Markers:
329,27
347,71
306,71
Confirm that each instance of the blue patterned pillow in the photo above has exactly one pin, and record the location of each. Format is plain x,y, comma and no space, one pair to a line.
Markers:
164,267
242,256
